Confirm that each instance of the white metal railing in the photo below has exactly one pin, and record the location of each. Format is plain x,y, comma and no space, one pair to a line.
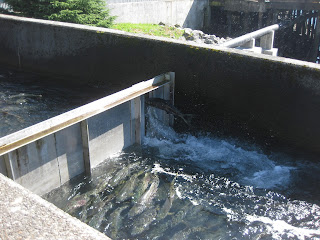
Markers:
248,41
4,5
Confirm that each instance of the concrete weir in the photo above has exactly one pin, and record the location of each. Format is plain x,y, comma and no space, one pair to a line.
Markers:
274,95
270,94
48,154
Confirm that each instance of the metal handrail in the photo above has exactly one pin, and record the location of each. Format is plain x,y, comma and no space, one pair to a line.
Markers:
239,41
25,136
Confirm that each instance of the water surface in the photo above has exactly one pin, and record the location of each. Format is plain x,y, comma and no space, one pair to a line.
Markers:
183,186
27,99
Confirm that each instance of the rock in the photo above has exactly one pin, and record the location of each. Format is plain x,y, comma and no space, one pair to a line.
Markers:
188,34
216,40
200,37
162,24
208,41
213,37
206,36
197,34
198,40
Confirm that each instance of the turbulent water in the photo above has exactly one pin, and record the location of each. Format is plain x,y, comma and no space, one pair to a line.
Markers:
182,186
26,99
174,186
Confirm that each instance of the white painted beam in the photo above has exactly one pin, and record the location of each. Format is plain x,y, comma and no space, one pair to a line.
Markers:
55,124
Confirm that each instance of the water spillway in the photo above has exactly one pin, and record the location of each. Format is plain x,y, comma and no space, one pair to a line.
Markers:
242,188
183,186
223,85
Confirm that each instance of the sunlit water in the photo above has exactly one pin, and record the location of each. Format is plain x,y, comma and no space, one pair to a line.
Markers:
182,186
174,186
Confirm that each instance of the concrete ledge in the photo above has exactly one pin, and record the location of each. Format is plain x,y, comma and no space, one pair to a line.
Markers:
25,215
280,97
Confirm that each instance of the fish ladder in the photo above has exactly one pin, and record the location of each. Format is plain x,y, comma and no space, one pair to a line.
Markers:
48,154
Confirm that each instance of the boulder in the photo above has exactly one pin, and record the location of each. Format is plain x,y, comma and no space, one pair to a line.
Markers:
198,34
188,34
208,41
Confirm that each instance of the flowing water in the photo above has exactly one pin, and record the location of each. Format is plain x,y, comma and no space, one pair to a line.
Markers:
26,99
174,186
183,186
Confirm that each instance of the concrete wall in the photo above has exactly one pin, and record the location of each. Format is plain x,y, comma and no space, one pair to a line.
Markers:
50,162
25,215
274,97
48,154
186,13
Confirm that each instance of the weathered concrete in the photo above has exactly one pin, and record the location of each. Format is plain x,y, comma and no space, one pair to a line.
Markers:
25,215
186,13
273,95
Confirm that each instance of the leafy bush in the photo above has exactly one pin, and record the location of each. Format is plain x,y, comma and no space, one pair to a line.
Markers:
89,12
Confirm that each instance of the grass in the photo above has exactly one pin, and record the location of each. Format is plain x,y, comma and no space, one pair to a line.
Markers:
150,29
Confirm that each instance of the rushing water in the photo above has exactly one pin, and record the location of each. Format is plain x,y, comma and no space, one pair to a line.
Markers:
174,186
26,99
183,186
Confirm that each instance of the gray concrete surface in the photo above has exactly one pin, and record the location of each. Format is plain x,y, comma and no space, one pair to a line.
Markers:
25,215
186,13
274,97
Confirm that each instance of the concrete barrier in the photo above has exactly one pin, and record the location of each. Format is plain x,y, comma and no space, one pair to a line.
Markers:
25,215
186,13
277,97
48,154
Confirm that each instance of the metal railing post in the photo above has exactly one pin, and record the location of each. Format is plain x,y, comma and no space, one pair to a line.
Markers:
266,41
247,41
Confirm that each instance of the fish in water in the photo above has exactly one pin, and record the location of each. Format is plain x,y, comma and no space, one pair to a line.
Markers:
25,95
186,232
119,176
168,202
167,106
143,222
142,187
97,219
145,199
126,191
115,221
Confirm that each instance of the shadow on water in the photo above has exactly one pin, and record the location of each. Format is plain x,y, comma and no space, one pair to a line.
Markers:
26,99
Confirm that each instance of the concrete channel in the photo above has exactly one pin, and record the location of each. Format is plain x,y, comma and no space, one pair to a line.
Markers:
48,154
272,94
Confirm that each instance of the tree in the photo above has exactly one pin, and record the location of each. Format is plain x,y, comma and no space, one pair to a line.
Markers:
88,12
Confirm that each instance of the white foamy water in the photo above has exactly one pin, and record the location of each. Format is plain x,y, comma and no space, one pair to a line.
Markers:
179,186
279,228
258,214
247,166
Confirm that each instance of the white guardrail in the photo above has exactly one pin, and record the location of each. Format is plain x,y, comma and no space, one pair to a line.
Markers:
248,41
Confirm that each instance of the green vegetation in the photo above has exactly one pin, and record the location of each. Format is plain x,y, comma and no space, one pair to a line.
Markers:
150,29
88,12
